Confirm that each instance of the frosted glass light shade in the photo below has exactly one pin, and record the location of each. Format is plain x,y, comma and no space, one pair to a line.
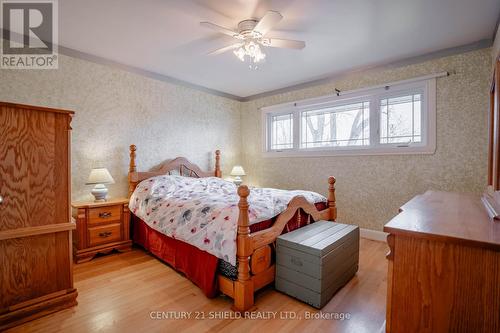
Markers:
238,171
100,176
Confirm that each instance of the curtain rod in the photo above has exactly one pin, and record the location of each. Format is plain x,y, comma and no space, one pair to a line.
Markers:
339,93
386,85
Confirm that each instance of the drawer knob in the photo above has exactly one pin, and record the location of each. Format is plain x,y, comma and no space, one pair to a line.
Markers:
105,215
1,200
105,234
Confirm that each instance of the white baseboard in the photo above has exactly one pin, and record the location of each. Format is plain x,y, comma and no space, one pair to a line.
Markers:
373,234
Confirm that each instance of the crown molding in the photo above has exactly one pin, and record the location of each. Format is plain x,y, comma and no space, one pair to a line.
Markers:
69,52
483,43
139,71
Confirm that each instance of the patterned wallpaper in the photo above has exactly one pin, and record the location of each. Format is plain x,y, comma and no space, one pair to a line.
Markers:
114,108
370,189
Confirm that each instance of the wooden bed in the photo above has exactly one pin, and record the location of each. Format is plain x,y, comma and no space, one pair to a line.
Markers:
254,250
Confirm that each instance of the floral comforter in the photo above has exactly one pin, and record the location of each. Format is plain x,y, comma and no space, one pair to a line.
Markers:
204,212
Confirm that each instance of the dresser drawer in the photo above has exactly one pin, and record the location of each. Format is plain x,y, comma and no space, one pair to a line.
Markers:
108,214
105,234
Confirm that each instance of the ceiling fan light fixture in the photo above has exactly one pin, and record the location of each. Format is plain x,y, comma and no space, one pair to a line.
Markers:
251,36
251,51
240,53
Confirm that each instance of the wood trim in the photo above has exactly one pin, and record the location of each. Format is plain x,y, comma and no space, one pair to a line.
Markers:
331,198
436,286
443,238
491,124
263,279
268,236
390,260
89,204
38,230
131,170
243,287
226,286
37,108
85,255
26,311
248,245
68,195
496,129
218,172
261,259
177,164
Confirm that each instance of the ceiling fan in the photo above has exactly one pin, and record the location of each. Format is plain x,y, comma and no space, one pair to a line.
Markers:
251,35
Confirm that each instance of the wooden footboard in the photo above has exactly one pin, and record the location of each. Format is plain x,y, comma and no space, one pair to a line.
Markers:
254,253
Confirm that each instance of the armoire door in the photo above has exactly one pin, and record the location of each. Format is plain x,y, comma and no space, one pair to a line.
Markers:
34,170
35,222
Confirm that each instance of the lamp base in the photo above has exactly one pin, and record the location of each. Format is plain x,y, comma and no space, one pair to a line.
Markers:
99,192
237,181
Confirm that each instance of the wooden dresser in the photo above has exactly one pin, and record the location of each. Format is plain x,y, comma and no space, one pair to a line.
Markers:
101,228
444,266
35,222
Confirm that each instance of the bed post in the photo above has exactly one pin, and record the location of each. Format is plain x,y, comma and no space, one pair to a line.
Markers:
131,169
243,287
331,198
218,173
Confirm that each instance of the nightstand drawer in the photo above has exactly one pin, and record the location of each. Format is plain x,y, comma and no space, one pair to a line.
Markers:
105,234
108,214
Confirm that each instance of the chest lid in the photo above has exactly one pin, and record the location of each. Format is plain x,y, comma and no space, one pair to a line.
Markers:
318,238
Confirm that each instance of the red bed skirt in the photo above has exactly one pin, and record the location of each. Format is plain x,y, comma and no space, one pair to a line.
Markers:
198,266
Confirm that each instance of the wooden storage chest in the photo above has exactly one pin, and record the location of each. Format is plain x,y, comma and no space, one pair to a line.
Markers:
314,262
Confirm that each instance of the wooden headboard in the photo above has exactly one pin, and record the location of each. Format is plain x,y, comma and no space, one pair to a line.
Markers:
180,165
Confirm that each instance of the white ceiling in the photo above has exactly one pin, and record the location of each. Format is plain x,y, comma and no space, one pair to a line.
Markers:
164,36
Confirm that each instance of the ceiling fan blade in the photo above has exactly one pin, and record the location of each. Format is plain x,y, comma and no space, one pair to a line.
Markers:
220,29
285,43
225,49
267,22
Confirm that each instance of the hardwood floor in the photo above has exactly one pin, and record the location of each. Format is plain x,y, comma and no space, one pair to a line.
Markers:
121,292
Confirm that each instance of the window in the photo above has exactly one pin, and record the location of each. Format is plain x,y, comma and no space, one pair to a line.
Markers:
400,119
393,119
343,125
282,131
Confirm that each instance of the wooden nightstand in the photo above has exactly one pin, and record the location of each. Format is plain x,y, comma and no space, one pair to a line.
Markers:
100,228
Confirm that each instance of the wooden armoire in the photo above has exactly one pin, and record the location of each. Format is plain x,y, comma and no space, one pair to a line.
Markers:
35,222
494,130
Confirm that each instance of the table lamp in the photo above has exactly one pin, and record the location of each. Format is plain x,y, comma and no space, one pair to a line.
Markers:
237,172
99,177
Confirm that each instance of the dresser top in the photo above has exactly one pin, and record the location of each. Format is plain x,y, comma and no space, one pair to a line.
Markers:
93,204
449,217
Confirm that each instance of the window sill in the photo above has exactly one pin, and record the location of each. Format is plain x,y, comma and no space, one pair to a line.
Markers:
423,150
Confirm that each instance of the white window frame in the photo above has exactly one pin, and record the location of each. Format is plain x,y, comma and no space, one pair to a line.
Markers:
425,85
